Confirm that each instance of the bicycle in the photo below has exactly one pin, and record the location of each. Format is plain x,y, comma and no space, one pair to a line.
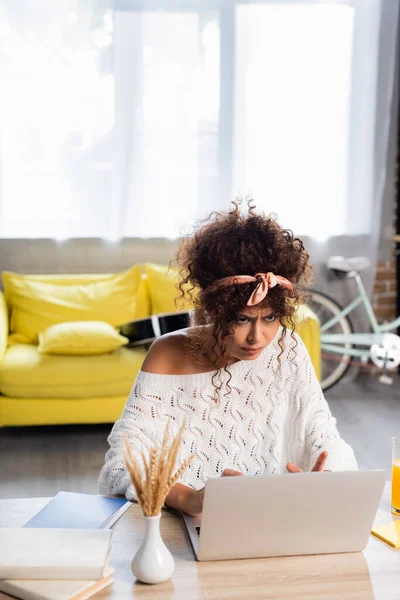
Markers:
337,335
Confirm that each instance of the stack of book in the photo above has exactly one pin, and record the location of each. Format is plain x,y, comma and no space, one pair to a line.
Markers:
62,552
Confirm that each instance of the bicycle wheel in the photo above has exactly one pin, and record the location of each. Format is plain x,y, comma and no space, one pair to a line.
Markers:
334,365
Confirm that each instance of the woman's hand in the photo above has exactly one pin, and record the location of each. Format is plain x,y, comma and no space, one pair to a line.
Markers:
195,503
191,501
319,464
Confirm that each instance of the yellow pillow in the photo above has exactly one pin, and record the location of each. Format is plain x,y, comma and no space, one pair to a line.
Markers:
36,305
81,337
162,282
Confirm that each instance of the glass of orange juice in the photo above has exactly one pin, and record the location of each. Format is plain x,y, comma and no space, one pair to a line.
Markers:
396,475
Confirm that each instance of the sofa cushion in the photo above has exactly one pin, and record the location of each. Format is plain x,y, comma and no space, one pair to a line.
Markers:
24,373
36,305
80,337
3,326
162,281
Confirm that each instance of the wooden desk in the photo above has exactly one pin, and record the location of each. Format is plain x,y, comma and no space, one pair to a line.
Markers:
372,574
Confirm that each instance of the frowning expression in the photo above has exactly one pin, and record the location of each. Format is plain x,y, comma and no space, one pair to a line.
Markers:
253,330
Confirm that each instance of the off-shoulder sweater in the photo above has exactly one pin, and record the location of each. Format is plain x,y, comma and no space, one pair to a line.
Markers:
270,411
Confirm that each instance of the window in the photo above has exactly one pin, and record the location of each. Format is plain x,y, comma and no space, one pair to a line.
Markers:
292,104
134,119
57,115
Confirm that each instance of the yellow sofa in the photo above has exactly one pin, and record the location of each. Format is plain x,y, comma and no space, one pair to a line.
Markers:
51,389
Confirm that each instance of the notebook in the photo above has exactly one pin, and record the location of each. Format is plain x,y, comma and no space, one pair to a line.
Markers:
389,533
68,510
55,589
54,553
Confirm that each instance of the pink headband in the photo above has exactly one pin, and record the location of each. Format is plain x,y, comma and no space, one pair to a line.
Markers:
265,281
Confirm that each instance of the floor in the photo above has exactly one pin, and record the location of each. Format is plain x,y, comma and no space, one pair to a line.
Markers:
40,461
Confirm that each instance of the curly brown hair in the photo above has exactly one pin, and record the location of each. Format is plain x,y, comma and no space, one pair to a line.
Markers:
229,244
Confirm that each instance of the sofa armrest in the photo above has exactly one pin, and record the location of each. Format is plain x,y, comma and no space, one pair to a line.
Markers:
307,327
3,326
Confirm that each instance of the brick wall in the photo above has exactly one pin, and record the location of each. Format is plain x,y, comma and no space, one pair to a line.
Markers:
384,295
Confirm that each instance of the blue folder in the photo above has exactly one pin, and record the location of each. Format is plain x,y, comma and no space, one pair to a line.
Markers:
68,510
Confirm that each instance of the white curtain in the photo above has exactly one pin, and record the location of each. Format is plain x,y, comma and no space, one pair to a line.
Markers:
56,118
134,119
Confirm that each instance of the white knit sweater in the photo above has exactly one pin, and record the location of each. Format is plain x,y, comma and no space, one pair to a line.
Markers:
271,416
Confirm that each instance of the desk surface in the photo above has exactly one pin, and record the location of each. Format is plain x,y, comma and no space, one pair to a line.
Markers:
372,574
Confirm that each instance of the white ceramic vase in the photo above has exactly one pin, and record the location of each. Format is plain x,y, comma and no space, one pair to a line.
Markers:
153,562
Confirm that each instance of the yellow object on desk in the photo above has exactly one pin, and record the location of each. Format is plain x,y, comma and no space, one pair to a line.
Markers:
389,533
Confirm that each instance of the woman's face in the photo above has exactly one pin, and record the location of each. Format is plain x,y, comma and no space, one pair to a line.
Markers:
254,329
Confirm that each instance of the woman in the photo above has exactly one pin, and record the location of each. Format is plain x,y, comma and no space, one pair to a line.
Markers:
241,380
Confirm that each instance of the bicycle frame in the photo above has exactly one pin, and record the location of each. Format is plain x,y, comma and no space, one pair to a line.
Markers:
329,341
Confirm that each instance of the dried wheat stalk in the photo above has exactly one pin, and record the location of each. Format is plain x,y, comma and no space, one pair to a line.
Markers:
154,481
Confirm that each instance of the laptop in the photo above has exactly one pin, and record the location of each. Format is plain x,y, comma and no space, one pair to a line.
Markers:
286,515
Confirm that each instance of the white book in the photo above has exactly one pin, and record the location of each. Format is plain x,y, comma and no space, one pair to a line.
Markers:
54,589
54,553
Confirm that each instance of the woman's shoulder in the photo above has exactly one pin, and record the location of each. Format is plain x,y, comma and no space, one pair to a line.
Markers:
170,354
